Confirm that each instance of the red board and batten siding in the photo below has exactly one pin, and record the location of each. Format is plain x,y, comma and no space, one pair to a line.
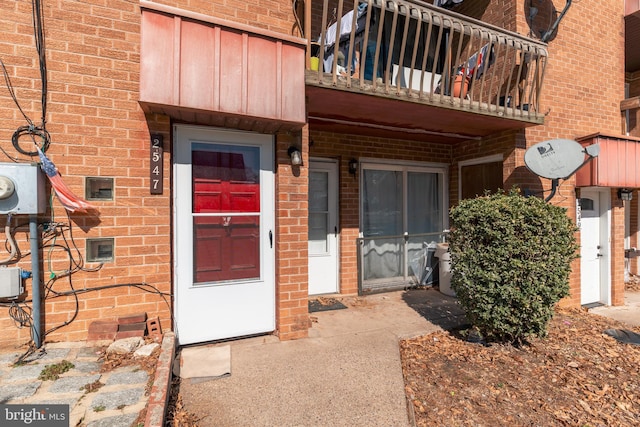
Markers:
615,166
207,67
631,6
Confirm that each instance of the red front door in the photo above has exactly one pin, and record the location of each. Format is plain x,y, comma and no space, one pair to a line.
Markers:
226,246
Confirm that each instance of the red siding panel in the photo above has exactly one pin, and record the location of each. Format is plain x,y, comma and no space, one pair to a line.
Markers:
631,6
617,165
197,65
263,77
292,101
156,58
232,82
206,67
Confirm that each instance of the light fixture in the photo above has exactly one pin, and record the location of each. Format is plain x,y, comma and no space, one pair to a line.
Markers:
625,194
295,155
353,166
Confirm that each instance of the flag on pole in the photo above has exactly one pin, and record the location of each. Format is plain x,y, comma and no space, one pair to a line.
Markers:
70,201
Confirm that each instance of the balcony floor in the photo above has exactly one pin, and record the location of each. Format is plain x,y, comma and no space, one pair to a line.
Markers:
345,110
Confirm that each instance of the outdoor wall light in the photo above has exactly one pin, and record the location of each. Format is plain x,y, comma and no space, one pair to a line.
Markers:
295,155
353,166
625,194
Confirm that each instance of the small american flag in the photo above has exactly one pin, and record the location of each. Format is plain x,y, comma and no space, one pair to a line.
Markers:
70,201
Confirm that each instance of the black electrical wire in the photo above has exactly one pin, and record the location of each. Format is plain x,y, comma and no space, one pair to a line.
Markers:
38,27
20,316
31,129
50,232
12,93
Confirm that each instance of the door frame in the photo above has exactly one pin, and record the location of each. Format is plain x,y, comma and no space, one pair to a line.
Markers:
604,202
182,204
335,187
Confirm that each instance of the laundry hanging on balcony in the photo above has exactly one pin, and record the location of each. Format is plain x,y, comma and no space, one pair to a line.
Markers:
346,27
70,201
447,4
478,62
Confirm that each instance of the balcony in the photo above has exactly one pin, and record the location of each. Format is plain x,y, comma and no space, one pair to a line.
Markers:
411,70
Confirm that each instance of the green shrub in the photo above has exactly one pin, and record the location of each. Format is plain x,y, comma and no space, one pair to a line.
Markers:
510,260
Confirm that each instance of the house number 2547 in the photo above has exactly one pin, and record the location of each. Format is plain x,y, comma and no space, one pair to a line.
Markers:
156,165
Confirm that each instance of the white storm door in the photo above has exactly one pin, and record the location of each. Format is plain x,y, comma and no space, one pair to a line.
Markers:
224,232
593,252
323,227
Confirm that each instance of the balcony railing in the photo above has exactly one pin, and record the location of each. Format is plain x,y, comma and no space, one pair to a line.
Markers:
419,52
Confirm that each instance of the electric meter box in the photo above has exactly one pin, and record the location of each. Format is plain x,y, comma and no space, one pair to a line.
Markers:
11,282
22,189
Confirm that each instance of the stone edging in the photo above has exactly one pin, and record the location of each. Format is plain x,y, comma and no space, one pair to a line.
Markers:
160,390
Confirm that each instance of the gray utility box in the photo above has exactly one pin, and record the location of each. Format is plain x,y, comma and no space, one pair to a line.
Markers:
11,282
25,193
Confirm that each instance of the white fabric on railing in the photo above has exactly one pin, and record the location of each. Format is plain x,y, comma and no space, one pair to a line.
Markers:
346,25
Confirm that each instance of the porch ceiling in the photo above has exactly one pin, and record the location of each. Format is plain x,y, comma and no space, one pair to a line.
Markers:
371,115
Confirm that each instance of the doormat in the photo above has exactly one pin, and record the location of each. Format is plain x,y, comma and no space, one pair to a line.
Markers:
325,304
204,362
624,336
593,305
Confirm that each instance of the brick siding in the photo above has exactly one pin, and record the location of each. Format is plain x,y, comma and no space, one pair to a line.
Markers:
98,129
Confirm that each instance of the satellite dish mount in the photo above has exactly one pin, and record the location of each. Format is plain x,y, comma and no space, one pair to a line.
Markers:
558,159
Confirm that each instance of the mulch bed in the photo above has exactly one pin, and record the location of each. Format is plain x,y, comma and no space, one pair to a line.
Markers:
577,376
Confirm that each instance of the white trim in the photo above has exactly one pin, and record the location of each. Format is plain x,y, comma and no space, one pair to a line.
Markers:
479,160
604,201
332,167
323,160
637,259
605,224
186,303
405,163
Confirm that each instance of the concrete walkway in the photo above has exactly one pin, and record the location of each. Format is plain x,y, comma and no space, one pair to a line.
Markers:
347,373
628,313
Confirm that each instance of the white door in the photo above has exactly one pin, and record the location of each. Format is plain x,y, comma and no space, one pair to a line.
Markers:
594,251
224,225
323,227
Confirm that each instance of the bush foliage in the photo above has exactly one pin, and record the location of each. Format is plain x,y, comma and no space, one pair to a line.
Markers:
510,258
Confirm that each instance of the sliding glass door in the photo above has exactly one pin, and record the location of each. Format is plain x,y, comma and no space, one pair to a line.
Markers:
402,217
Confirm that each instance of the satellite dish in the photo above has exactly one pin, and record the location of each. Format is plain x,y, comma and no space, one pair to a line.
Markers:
558,158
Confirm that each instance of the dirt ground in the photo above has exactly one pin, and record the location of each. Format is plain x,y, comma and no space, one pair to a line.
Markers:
577,376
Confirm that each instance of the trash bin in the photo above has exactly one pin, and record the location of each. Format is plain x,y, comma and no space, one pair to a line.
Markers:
443,254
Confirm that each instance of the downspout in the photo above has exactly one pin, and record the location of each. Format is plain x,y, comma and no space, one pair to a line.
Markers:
546,36
35,280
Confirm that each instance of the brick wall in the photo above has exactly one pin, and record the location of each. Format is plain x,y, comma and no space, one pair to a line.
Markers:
97,129
582,97
497,12
292,285
272,15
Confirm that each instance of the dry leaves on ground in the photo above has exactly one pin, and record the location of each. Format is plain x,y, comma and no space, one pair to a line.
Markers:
177,415
633,284
577,376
